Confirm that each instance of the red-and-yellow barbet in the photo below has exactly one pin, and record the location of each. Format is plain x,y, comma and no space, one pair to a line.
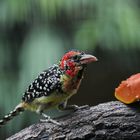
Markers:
54,86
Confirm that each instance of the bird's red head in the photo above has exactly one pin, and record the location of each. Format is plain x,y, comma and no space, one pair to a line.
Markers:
74,61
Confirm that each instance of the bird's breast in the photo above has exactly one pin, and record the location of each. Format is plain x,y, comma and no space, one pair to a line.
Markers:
70,85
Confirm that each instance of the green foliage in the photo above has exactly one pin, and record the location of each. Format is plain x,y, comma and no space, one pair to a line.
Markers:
35,33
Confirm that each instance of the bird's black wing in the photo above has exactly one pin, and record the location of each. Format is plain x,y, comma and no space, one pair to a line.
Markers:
44,84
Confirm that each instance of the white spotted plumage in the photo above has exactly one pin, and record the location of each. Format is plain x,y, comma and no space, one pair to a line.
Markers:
44,84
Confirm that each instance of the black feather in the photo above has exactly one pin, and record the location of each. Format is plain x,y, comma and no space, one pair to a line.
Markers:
44,84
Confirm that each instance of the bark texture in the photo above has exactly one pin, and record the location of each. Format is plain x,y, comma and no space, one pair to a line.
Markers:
108,121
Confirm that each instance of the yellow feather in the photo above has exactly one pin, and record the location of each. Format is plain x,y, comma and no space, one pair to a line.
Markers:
54,98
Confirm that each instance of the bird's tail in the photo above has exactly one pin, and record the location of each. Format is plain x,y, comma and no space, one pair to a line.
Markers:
18,109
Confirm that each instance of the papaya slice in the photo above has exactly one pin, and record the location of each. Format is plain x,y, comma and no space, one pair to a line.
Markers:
129,90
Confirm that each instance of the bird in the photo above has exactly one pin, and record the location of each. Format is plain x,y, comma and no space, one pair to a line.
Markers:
54,86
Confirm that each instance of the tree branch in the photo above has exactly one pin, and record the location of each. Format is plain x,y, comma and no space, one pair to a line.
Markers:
110,121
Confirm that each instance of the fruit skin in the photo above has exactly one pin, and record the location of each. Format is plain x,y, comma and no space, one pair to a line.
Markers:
129,90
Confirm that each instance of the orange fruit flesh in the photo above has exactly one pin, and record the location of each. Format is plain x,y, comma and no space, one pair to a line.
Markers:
129,90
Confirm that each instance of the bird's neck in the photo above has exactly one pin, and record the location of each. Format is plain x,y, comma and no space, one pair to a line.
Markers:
72,83
80,73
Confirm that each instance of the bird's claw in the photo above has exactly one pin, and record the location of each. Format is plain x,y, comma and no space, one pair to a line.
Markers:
73,107
50,120
84,107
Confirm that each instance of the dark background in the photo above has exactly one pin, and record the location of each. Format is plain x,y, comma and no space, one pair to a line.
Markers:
34,34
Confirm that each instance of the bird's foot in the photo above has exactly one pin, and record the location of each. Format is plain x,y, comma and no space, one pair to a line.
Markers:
76,107
48,119
84,107
72,107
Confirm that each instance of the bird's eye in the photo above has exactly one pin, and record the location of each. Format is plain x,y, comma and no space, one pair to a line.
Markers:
76,57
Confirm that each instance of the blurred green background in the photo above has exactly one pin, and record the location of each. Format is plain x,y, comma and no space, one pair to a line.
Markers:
34,34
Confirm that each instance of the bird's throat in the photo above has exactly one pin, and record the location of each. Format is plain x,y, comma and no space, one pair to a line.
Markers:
72,81
75,72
